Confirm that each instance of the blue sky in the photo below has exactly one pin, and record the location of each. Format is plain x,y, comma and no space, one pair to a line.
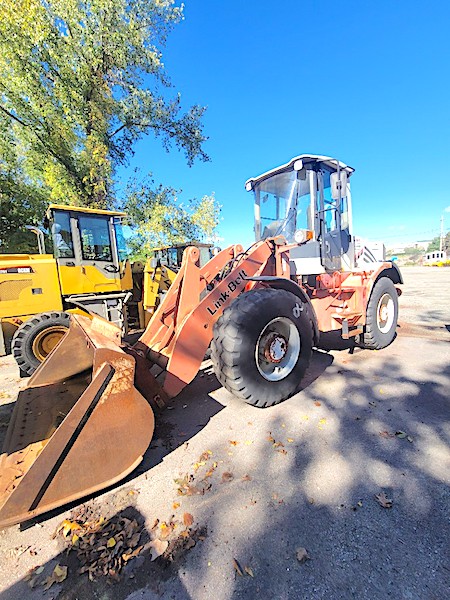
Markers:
364,82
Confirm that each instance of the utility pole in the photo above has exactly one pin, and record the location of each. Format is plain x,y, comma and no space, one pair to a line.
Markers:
441,239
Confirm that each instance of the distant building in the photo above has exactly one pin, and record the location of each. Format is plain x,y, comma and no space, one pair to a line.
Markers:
435,256
400,248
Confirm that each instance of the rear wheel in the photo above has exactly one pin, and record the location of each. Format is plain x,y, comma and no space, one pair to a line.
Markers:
381,315
262,345
36,338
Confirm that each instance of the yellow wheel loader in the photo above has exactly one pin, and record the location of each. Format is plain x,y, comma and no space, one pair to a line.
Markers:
86,417
87,274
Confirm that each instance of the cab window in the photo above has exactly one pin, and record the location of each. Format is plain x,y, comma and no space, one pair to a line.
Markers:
62,236
95,239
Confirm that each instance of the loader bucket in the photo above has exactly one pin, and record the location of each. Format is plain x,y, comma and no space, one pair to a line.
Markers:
78,427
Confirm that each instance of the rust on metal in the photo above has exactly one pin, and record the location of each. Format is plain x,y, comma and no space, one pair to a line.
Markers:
78,427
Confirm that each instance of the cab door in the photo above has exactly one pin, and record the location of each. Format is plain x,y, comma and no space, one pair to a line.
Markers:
334,235
86,256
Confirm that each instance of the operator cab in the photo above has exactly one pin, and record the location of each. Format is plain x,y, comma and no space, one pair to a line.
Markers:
91,256
308,202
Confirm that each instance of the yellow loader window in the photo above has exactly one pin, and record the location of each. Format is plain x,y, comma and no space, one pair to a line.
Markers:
62,236
95,240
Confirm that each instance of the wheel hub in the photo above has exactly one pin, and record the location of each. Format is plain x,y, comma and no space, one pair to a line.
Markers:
275,347
46,340
385,313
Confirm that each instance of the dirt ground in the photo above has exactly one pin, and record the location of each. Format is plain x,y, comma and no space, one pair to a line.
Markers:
262,487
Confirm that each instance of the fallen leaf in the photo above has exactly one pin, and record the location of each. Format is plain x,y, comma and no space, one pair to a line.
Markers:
190,543
248,442
234,443
302,555
157,548
175,505
249,571
317,403
246,478
188,519
58,576
410,439
387,434
204,456
281,451
197,465
290,440
237,567
383,500
227,477
67,526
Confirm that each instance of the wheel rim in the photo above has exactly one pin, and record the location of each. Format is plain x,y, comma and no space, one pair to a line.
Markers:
46,340
385,313
277,349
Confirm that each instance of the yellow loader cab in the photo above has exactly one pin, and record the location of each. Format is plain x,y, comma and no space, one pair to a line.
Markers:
88,273
152,279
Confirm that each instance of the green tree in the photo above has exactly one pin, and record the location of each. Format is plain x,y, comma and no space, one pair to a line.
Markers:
80,84
435,243
162,220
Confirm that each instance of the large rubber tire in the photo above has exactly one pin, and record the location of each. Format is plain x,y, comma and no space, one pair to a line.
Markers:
246,327
35,339
381,315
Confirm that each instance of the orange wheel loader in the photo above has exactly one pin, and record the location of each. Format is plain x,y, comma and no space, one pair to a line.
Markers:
86,417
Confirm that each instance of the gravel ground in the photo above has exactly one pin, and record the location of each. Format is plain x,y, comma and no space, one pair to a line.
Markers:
316,491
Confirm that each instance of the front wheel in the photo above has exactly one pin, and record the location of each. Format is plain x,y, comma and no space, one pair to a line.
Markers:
262,345
381,315
36,338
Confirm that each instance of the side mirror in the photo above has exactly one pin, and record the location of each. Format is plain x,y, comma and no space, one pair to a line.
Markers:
338,183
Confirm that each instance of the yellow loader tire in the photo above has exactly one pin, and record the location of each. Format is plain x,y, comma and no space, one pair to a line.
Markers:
36,338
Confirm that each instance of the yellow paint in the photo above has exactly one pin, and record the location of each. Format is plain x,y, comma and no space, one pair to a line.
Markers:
156,281
16,289
89,279
82,209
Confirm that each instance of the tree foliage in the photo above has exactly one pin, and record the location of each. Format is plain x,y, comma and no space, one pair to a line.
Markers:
162,220
80,83
435,243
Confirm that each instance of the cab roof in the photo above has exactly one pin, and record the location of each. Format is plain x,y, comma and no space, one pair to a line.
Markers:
307,159
90,211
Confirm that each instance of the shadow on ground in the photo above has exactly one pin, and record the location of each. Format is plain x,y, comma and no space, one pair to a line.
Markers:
308,478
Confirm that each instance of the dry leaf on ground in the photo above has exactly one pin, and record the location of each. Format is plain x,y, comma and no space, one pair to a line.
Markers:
249,571
383,500
387,434
302,555
188,519
237,567
246,478
157,548
227,476
58,576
